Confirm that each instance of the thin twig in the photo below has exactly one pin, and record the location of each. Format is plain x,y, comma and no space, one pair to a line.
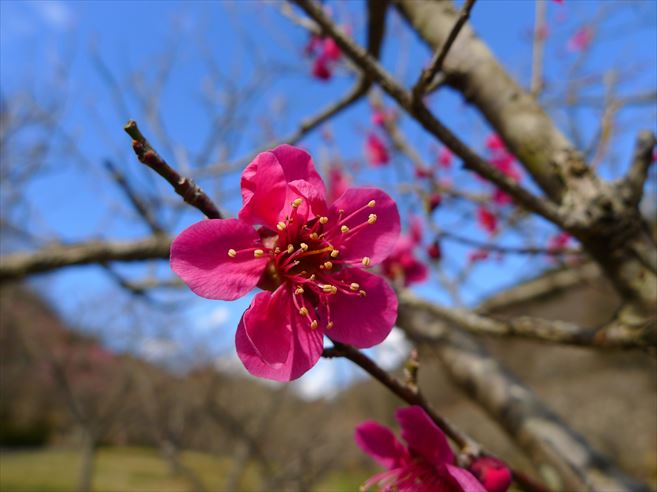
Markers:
537,49
427,75
185,187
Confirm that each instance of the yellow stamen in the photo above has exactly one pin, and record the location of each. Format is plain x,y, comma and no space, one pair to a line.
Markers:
290,248
371,219
298,291
258,253
371,203
328,265
329,325
344,229
297,202
313,325
366,261
303,311
314,236
232,253
354,286
303,246
335,253
281,226
277,250
323,220
362,293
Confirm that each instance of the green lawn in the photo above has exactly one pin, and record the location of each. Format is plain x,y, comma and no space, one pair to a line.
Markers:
125,469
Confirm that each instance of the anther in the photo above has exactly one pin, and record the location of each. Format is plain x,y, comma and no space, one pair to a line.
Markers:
313,324
303,311
354,286
298,291
330,289
371,219
335,253
329,325
371,203
258,253
362,293
366,261
344,229
323,220
341,211
328,265
290,248
277,250
281,226
232,253
297,202
314,236
312,277
303,246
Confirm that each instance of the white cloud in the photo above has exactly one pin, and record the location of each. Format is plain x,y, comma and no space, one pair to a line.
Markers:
321,381
54,13
393,351
158,349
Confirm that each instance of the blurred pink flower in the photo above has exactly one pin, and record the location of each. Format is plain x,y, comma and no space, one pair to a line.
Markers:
338,182
435,199
326,54
558,241
434,251
494,475
321,68
376,151
402,263
478,255
330,49
425,464
501,198
581,39
379,117
308,257
445,158
487,220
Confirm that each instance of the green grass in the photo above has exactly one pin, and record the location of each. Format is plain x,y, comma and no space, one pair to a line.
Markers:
127,469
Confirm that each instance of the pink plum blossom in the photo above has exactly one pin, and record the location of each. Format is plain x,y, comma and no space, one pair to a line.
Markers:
478,255
434,201
326,53
402,264
558,241
376,150
309,258
425,464
487,220
379,117
494,475
435,251
338,182
581,39
445,158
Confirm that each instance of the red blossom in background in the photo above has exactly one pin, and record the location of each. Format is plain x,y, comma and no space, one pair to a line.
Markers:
326,54
321,68
503,160
581,40
492,473
487,220
338,182
376,151
445,158
402,264
434,251
425,464
478,255
434,201
558,241
308,257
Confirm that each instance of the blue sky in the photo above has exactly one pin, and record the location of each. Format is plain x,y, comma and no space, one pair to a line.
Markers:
48,49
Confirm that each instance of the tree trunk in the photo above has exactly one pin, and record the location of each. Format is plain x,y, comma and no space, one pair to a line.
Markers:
88,461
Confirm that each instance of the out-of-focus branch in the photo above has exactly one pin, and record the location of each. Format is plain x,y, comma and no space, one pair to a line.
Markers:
470,159
19,265
563,454
185,187
614,335
642,160
537,48
436,64
133,197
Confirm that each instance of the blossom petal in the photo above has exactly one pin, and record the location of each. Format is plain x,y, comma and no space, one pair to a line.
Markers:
362,321
463,479
381,444
298,165
423,436
266,326
305,347
199,256
263,190
376,240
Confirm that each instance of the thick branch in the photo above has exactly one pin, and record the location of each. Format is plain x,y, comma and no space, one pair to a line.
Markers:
641,162
614,335
185,187
19,265
471,160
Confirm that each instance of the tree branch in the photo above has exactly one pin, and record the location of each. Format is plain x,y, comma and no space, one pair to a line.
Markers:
471,160
185,187
18,265
614,335
436,64
642,160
